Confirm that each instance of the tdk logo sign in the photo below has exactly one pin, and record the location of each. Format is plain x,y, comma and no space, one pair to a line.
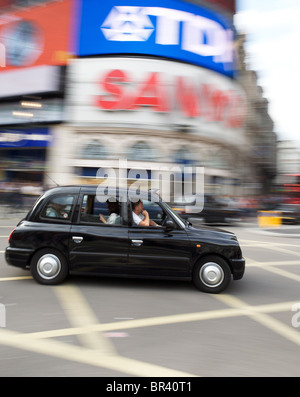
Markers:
199,35
191,33
127,24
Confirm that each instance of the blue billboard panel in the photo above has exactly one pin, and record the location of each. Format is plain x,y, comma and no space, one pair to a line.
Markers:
25,138
167,28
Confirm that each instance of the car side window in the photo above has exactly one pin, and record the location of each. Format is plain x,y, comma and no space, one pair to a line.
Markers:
59,207
156,214
102,212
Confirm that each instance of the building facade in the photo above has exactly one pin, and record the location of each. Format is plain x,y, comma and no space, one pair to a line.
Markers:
288,160
259,128
32,76
151,83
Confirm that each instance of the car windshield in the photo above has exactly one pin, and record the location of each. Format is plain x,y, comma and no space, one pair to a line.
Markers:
181,221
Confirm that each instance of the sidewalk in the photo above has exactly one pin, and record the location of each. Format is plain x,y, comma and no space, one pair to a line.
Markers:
7,212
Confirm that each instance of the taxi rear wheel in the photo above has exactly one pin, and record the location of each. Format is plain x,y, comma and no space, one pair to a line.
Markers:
212,274
49,267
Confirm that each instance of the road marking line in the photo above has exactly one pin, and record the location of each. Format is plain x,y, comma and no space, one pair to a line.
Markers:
274,325
34,341
15,278
284,273
285,251
273,246
255,242
272,267
83,355
72,300
250,262
163,320
140,323
268,244
253,263
80,315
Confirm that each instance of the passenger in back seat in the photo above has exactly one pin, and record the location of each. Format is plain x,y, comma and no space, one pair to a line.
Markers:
114,217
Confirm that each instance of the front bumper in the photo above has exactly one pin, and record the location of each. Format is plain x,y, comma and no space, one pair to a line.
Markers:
238,268
19,257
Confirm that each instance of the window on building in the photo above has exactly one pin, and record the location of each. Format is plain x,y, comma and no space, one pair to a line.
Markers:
93,150
141,151
183,156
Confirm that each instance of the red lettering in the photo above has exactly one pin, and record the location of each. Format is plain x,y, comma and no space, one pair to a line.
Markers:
205,100
236,115
187,98
219,101
151,95
111,85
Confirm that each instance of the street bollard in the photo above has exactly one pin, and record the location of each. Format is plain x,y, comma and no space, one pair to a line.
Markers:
269,219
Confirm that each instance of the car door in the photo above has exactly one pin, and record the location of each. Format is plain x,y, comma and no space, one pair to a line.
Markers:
157,251
95,246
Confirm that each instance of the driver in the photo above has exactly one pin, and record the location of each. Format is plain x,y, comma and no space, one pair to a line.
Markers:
140,216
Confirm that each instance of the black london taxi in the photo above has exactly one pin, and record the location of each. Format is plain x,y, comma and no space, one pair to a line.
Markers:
75,229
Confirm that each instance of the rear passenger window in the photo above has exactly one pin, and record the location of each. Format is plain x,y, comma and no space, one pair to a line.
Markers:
102,213
59,207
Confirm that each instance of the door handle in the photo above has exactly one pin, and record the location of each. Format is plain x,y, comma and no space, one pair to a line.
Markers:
77,239
136,243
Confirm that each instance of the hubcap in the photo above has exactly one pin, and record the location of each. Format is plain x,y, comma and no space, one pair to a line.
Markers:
48,266
211,274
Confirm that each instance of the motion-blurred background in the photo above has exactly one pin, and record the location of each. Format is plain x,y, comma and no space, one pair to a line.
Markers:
85,83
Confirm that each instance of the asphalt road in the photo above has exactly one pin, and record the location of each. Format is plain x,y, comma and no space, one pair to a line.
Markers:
100,327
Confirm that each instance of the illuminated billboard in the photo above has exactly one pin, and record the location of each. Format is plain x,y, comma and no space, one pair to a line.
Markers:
155,93
34,36
165,28
24,137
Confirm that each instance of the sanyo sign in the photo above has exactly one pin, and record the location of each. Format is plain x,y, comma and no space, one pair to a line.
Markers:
171,29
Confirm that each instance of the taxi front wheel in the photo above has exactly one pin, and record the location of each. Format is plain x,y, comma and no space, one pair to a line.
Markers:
212,274
49,267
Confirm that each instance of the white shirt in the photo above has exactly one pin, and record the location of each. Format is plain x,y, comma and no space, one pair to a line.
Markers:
137,218
113,219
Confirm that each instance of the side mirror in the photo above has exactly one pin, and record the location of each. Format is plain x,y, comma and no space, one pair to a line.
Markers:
170,225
